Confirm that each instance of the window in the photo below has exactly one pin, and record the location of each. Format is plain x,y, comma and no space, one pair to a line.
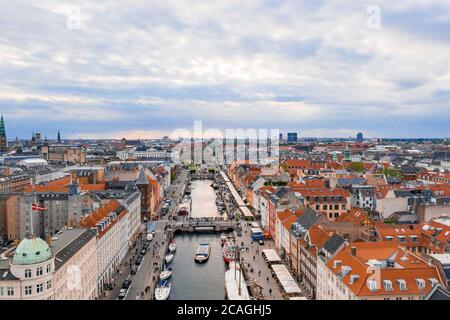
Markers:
10,291
49,284
420,284
39,288
372,285
2,291
27,273
39,271
48,268
388,285
402,284
28,290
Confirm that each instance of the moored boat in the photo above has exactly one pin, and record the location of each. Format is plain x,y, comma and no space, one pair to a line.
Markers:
230,251
162,291
203,252
169,258
172,246
166,274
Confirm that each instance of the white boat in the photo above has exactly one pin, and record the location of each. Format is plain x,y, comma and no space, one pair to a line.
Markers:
165,274
203,253
172,246
169,258
162,291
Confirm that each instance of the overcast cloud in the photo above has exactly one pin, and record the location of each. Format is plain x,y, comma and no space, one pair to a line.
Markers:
144,68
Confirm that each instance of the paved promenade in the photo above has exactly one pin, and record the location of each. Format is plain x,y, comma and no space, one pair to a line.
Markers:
262,274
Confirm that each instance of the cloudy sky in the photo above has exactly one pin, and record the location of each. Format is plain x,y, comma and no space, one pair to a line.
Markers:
145,68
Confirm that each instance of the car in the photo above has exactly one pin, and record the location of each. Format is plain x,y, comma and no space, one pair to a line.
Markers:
146,245
126,284
138,261
134,269
261,242
140,256
143,251
122,294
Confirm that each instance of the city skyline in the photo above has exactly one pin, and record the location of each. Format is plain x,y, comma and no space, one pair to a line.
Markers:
112,71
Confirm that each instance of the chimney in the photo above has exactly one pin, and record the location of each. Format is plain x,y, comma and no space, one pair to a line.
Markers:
353,250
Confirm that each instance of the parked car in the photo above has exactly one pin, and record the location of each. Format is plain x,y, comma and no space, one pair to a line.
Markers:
134,269
122,294
126,284
143,251
138,261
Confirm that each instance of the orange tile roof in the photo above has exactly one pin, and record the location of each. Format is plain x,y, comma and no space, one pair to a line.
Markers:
95,217
380,251
356,215
60,185
93,187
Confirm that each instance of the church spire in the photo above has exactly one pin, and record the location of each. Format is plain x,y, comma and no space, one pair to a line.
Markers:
59,136
2,127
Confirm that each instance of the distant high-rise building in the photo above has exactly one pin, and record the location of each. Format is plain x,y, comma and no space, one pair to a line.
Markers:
281,137
3,139
292,137
360,137
59,137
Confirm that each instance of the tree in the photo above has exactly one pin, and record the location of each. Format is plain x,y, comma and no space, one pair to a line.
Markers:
356,166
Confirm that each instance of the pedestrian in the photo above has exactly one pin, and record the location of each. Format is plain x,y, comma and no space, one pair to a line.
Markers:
270,291
267,279
253,258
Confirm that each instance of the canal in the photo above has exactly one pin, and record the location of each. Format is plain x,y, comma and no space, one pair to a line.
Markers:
190,280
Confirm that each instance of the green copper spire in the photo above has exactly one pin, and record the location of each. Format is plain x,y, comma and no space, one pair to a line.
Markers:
2,127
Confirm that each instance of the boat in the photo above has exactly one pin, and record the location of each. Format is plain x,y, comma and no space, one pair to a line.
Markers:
169,258
162,291
172,246
230,251
184,209
166,274
203,252
235,284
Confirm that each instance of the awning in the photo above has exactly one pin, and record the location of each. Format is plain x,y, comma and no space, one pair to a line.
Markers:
271,255
287,282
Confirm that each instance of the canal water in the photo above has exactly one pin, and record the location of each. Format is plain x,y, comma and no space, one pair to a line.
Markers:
190,280
203,199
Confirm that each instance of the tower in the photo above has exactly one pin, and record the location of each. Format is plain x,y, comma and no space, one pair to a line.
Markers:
347,154
359,137
3,139
59,137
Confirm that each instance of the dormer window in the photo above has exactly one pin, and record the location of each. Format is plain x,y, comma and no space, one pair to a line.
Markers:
336,263
420,284
402,284
372,285
387,285
433,282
